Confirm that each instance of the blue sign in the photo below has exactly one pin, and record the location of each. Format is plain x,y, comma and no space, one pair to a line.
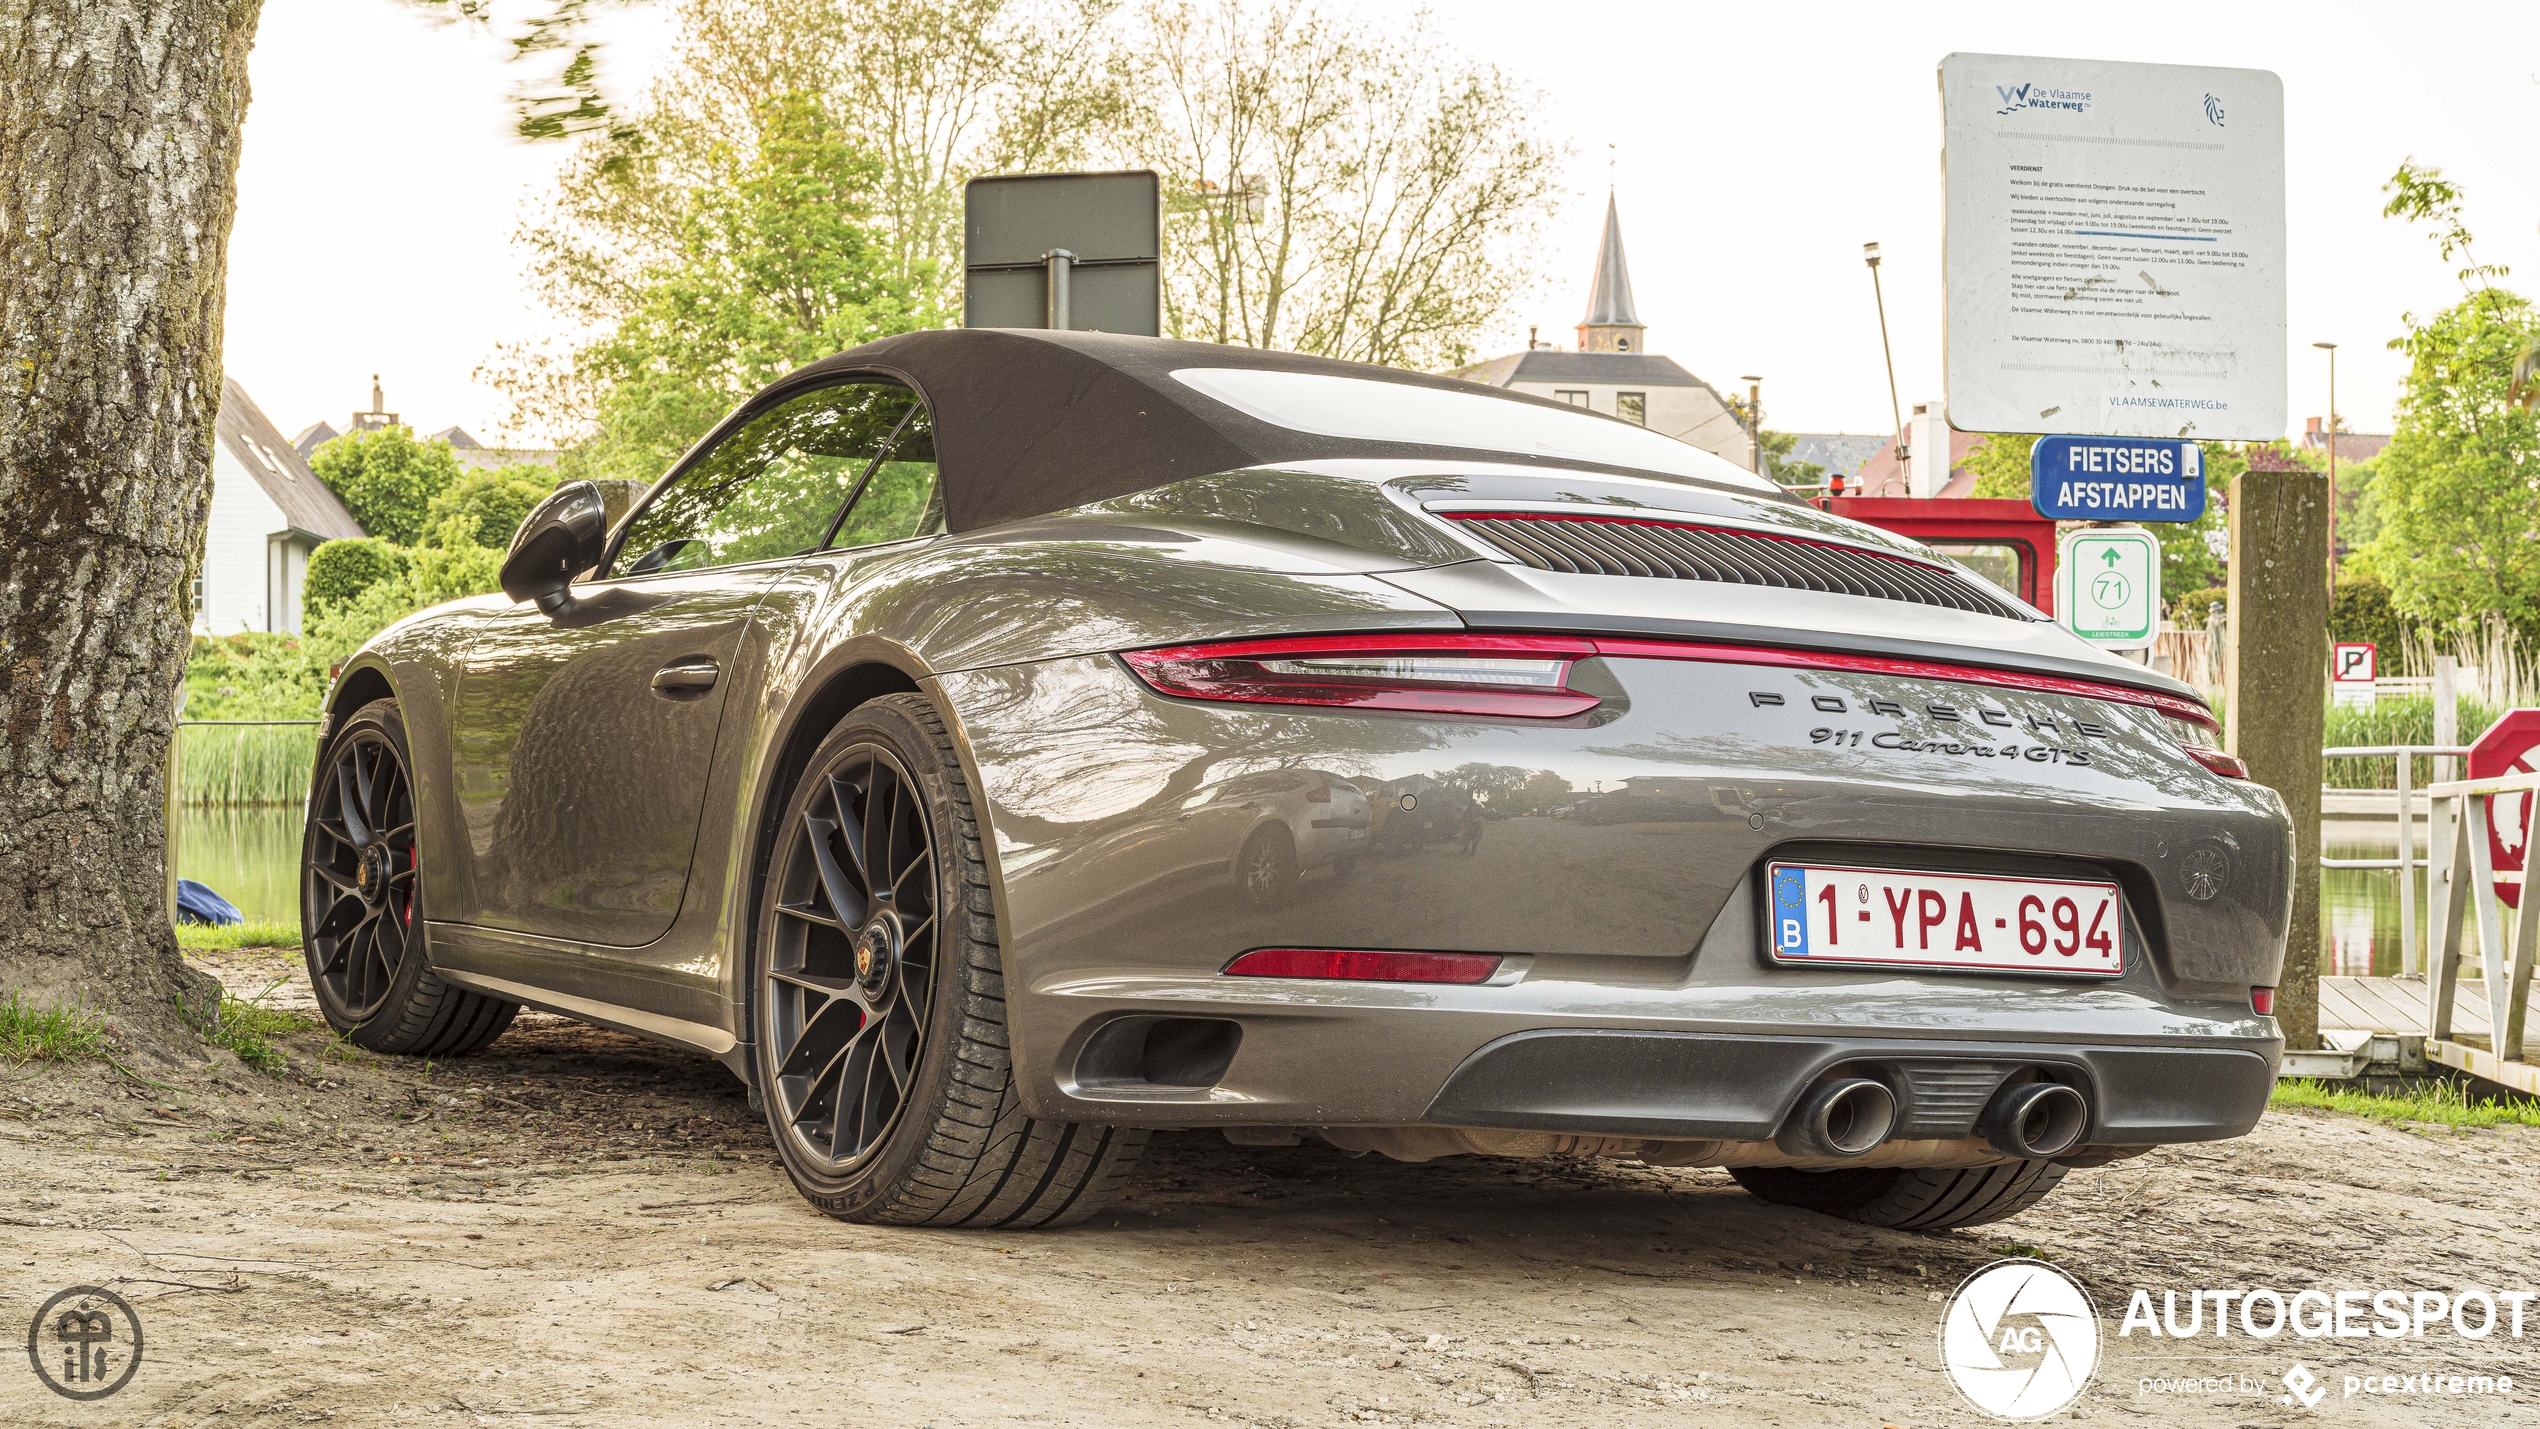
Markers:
2117,479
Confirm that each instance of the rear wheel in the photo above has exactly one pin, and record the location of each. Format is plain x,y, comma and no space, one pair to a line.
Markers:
879,1000
361,903
1266,869
1925,1198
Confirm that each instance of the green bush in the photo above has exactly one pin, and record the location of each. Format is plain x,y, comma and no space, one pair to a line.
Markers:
493,503
387,479
341,570
2189,611
253,675
2360,610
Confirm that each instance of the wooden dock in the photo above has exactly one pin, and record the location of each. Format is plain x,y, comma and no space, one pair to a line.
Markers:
2393,1005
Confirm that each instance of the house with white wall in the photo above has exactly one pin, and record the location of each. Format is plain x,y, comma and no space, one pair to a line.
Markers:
268,512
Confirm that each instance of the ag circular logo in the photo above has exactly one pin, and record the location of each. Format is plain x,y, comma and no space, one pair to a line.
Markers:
85,1343
2020,1339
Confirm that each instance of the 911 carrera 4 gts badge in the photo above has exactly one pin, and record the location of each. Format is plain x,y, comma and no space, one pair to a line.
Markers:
1894,739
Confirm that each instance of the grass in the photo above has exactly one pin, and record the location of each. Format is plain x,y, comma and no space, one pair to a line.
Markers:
245,764
2430,1103
248,1028
61,1034
205,937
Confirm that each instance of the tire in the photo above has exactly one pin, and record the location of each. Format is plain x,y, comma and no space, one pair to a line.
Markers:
1908,1198
907,1002
1266,869
361,918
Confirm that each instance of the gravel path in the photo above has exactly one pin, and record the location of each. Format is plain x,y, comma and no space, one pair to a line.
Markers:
583,1229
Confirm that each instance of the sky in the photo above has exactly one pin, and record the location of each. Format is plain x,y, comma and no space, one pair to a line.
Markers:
1753,150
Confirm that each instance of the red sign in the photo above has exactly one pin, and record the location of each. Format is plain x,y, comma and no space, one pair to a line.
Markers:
2510,746
2351,662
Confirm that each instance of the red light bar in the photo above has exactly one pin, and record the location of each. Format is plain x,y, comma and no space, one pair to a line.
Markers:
2262,1001
2175,706
1231,671
1359,966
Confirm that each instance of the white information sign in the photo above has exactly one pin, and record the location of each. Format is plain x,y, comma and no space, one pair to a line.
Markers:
2115,248
2108,585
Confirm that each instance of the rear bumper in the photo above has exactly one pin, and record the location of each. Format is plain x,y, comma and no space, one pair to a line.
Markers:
1635,927
1695,1086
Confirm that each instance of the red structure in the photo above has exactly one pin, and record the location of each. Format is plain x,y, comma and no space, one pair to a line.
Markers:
1966,527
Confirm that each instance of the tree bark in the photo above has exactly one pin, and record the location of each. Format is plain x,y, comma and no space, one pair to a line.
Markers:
119,132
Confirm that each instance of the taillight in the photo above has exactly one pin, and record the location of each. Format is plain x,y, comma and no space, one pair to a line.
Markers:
1319,794
1360,966
2198,738
1514,676
2262,1001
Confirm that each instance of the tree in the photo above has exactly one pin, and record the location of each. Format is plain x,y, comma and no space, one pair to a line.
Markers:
119,130
119,126
387,479
1777,448
1334,186
2457,491
493,501
919,94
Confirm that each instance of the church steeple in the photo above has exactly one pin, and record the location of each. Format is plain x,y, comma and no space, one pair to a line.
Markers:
1612,324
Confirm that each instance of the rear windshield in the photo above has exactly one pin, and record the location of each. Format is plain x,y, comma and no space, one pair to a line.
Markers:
1365,410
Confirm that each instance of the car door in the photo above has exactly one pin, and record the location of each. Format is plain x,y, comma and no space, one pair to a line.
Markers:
583,742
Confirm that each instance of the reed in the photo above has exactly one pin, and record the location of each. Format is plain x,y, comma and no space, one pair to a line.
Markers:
245,763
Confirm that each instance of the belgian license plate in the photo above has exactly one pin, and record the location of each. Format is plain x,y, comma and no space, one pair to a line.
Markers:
1888,917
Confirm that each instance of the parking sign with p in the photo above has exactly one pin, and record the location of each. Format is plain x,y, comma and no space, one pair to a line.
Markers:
2351,662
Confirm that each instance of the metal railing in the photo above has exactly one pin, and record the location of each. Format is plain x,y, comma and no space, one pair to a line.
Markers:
2407,862
2462,876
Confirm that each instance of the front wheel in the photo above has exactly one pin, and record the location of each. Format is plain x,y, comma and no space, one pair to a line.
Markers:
361,903
879,1000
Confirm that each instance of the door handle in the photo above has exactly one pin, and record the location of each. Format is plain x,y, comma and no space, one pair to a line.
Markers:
686,677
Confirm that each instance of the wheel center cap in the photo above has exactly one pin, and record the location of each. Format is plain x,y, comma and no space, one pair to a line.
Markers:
877,952
371,878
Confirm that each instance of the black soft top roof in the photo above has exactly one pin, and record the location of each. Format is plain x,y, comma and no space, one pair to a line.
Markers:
1028,422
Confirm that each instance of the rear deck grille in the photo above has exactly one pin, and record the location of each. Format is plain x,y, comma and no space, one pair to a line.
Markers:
1677,550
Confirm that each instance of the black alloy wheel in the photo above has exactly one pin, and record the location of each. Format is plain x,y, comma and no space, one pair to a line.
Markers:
878,1002
851,973
361,902
359,864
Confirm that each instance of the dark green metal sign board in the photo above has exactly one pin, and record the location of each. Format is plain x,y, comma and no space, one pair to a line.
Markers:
1075,251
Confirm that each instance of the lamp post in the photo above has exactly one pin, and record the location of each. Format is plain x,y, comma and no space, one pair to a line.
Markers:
1754,423
2331,349
1895,412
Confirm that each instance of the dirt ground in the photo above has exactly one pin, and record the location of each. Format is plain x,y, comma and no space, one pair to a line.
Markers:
580,1228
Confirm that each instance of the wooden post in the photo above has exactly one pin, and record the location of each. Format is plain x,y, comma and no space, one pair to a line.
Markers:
2278,688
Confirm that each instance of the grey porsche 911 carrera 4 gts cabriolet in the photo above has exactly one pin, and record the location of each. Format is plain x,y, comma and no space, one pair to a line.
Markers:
995,745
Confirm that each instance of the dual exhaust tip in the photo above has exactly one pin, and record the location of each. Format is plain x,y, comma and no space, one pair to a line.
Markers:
1844,1117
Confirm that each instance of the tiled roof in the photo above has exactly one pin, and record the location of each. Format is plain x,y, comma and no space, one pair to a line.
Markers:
279,467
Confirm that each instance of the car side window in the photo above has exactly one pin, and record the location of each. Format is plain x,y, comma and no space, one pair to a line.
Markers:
773,487
901,500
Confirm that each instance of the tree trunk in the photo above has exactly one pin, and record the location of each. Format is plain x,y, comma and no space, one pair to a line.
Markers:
119,128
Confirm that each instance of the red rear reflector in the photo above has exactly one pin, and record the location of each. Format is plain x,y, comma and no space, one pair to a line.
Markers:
2229,766
2262,1001
1360,966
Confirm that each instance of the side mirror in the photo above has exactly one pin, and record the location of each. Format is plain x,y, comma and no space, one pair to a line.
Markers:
562,537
